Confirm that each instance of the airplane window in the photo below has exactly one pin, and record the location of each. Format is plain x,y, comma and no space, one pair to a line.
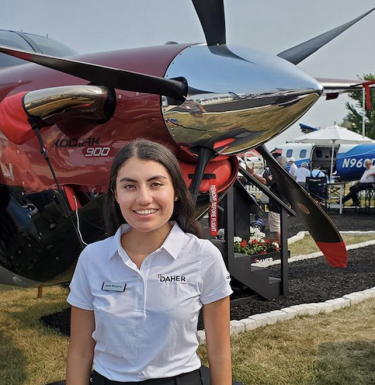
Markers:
289,153
302,154
51,47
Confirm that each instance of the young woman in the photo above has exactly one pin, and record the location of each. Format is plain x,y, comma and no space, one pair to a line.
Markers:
136,295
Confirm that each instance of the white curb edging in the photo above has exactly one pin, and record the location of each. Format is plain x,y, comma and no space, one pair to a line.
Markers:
301,234
308,309
259,320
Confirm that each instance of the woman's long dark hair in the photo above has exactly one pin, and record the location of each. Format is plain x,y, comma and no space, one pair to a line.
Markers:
183,213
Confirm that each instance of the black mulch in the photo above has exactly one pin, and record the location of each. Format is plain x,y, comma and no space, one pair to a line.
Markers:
310,281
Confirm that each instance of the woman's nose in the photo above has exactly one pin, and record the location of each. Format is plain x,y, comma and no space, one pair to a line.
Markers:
144,196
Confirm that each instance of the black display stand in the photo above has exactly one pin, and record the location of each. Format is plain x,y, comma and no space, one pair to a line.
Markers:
238,206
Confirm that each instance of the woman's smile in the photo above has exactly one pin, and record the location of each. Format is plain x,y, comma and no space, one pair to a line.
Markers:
145,212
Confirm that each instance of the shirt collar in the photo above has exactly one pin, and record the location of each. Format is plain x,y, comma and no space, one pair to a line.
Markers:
175,241
115,244
172,244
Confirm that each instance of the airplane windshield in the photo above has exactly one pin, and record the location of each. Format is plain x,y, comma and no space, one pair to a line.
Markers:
30,42
12,40
51,47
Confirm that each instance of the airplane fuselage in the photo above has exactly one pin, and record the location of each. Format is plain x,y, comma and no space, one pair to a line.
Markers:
348,162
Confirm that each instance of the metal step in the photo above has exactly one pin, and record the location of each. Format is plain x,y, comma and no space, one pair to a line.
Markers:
255,277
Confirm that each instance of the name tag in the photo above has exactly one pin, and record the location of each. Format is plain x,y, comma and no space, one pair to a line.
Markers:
113,286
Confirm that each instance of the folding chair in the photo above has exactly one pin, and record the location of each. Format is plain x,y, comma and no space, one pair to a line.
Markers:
317,188
369,198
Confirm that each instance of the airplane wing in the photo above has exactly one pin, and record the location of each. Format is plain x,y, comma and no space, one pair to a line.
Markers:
334,87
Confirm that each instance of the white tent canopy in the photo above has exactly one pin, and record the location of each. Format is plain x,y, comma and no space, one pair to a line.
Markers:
333,135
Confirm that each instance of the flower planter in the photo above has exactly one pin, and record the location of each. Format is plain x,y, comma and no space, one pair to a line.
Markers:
260,257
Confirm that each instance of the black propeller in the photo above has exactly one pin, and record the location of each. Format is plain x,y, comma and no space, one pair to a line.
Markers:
317,222
212,17
108,76
205,154
301,51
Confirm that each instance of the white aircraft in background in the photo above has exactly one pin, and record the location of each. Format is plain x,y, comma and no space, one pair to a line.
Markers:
348,161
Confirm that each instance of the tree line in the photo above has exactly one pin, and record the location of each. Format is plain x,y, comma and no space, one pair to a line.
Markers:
355,110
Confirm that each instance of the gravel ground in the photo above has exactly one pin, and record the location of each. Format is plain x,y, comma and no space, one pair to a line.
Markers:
309,281
314,280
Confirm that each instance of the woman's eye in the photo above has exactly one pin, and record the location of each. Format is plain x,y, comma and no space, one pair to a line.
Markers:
156,184
129,186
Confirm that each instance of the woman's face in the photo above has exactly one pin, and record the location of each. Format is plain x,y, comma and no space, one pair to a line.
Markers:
145,194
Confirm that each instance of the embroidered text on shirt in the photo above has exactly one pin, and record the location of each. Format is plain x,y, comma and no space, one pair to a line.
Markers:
171,278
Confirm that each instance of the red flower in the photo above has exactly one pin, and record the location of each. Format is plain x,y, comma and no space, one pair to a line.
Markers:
243,243
254,242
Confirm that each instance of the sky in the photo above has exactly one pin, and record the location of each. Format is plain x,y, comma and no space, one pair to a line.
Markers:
269,25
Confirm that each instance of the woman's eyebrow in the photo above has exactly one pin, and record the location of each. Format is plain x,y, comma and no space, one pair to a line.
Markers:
126,179
156,177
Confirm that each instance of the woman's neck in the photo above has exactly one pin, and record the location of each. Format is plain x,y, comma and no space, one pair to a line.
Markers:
138,244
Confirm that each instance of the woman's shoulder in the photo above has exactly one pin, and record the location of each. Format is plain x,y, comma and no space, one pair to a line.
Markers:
194,246
205,246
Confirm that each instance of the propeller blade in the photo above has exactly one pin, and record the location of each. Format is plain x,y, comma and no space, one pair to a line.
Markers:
300,52
204,156
317,222
212,18
107,76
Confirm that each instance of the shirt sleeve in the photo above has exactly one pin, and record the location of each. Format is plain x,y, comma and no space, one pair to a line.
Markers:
80,291
215,283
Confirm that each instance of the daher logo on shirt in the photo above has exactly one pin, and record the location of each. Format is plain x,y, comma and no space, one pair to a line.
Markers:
172,278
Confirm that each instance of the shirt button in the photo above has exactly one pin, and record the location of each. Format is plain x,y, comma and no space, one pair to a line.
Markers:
146,263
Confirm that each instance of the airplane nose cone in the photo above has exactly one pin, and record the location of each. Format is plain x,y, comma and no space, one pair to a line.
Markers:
238,98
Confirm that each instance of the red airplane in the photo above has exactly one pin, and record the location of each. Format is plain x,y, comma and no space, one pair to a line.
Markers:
63,119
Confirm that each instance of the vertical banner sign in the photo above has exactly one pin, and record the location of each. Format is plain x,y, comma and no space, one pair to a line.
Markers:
213,208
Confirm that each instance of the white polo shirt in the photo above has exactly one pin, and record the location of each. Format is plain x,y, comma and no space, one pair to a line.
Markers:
150,329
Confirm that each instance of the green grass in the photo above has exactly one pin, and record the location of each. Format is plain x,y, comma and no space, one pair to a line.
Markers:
30,353
336,348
